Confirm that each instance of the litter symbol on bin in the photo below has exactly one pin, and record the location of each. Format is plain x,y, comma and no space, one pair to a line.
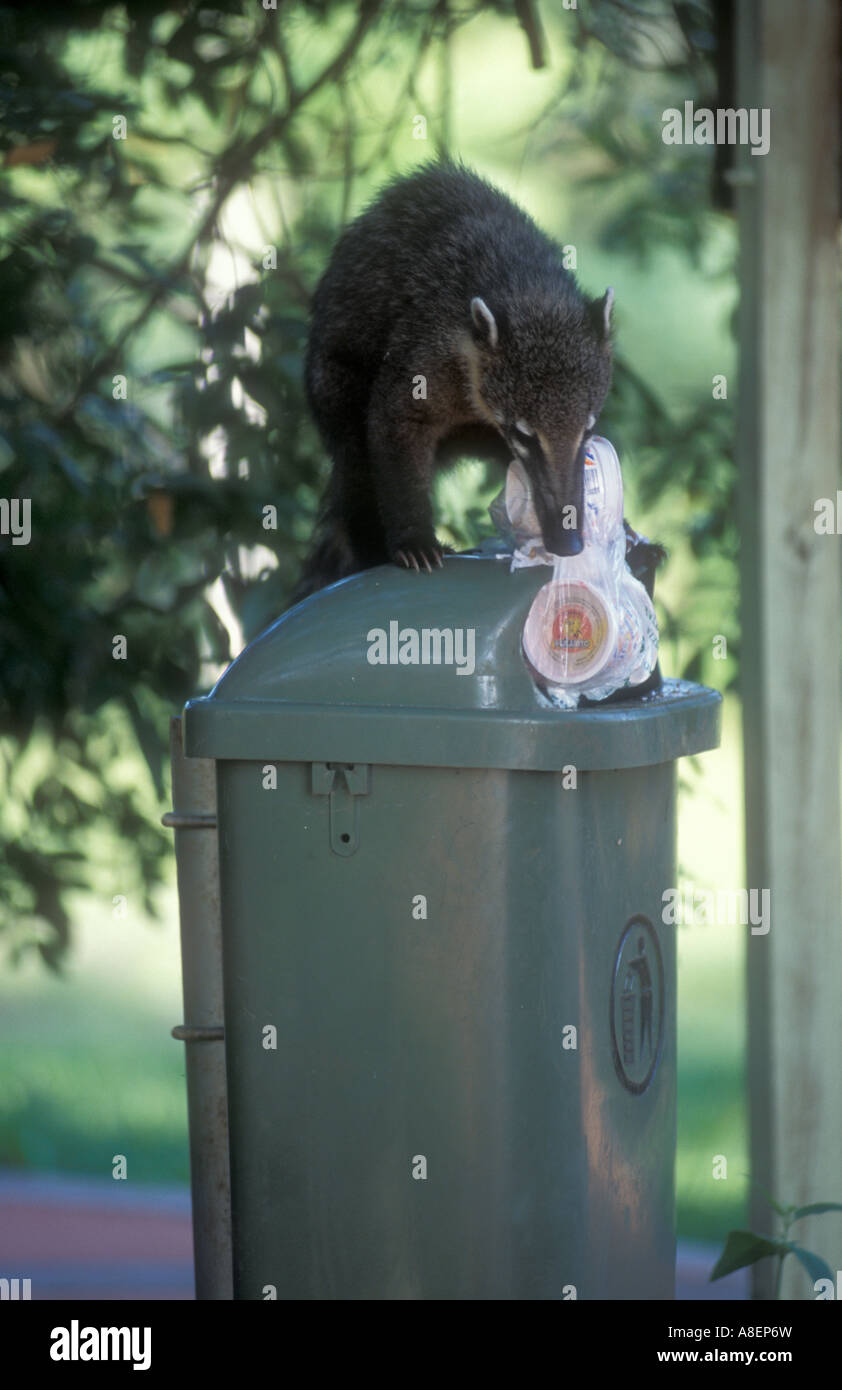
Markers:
637,1009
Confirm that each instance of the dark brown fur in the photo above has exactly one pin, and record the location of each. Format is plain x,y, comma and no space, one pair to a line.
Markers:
443,277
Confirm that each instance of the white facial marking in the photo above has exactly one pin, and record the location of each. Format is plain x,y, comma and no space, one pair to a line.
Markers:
484,320
609,304
469,353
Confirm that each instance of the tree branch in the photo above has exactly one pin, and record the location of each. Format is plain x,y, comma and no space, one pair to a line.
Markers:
233,164
530,23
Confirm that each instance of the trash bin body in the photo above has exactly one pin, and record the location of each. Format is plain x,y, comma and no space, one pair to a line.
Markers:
449,993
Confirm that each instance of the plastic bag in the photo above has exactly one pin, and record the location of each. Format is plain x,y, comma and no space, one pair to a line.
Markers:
592,629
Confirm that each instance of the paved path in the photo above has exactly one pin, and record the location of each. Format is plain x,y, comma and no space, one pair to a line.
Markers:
80,1238
83,1238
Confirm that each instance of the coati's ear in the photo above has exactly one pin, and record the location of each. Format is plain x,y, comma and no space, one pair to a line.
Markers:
600,312
485,324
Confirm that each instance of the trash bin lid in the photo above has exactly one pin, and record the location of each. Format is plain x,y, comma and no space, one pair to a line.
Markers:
390,666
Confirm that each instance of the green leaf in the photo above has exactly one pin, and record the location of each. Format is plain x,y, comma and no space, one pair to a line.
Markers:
148,739
744,1248
815,1209
783,1211
814,1265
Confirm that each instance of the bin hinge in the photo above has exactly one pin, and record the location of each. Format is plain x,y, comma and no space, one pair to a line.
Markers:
343,784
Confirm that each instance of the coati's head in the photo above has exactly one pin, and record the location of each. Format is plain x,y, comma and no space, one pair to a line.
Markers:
540,371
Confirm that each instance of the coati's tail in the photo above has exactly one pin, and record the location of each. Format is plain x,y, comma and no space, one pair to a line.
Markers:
348,536
331,558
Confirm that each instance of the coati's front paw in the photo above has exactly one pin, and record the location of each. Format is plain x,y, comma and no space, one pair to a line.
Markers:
417,553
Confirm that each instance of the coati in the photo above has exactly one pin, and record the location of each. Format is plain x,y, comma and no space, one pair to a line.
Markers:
445,325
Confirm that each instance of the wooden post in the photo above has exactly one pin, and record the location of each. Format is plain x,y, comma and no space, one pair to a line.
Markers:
788,457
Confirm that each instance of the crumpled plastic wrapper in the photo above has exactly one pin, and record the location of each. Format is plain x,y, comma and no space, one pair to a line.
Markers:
591,629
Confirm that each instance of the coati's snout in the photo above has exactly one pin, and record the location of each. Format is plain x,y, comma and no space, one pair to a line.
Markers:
566,543
558,490
560,539
556,472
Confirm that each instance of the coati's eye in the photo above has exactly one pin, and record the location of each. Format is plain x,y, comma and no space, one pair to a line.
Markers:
521,438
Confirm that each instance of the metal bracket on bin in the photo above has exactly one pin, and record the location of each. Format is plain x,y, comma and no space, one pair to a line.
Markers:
343,783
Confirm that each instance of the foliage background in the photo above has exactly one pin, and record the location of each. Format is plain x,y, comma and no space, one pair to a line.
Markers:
178,252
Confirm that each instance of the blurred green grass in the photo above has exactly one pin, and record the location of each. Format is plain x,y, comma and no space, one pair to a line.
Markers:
712,1119
87,1067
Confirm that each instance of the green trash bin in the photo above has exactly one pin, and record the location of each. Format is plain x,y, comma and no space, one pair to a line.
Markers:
449,994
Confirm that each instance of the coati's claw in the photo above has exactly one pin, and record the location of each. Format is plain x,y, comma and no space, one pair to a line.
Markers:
414,557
